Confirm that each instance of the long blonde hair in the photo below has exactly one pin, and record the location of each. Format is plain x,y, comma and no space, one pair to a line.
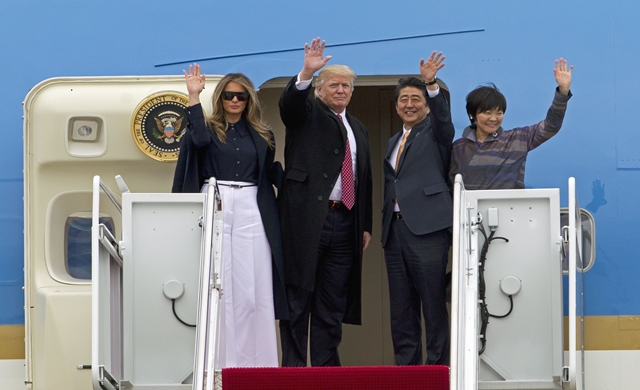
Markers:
252,112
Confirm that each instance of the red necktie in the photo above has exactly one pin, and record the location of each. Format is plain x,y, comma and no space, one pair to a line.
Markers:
348,182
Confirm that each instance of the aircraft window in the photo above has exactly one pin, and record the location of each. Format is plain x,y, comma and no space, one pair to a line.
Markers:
588,240
78,245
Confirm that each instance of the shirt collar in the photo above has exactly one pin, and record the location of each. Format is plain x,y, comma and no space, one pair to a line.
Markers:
240,128
343,114
470,134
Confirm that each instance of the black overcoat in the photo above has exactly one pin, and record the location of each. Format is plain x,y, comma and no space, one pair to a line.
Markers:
187,178
314,150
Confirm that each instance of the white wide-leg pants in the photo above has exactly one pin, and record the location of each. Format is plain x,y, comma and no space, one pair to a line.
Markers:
248,332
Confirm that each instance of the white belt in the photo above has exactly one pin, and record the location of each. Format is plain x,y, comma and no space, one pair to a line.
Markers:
236,184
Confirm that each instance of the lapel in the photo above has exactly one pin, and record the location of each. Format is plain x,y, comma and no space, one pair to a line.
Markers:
416,133
358,134
261,148
335,119
393,141
361,143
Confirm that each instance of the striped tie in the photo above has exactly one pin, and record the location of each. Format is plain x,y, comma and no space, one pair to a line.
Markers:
404,140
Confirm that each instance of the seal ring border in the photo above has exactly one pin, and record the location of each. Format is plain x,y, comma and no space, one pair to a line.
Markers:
141,112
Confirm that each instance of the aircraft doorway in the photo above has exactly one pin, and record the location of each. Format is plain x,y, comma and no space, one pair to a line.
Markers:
373,104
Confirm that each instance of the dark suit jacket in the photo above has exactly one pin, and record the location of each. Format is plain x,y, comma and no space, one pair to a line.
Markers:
420,184
314,150
187,178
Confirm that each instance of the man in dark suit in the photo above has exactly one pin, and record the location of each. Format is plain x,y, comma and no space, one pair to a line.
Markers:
325,207
417,217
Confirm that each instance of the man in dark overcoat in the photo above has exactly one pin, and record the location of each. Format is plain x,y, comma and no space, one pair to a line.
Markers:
325,207
417,217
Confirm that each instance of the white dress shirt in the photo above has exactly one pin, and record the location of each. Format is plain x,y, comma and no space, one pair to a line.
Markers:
336,193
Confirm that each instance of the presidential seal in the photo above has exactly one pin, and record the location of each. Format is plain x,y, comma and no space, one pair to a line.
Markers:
158,125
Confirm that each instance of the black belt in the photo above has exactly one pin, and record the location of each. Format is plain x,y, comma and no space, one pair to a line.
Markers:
398,216
337,205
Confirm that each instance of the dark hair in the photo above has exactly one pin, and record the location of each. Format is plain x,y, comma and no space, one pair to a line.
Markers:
485,97
417,83
409,82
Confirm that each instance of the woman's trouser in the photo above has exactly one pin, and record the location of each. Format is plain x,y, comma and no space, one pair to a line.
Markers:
248,336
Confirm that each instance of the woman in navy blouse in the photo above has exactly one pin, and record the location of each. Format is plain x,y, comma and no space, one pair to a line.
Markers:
235,146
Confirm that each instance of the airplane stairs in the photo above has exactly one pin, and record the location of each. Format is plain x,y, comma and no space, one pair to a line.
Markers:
133,351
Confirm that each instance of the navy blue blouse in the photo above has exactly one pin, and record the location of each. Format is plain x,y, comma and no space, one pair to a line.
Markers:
235,160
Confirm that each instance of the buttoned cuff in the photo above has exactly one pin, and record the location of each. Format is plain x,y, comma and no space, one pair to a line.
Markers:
194,112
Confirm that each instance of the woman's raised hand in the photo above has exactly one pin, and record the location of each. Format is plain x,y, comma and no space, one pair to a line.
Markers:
195,80
563,76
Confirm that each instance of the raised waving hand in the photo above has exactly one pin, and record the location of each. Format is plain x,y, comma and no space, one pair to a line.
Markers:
313,60
563,76
195,83
430,67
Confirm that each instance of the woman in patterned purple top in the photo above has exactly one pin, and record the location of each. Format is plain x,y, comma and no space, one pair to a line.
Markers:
489,157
